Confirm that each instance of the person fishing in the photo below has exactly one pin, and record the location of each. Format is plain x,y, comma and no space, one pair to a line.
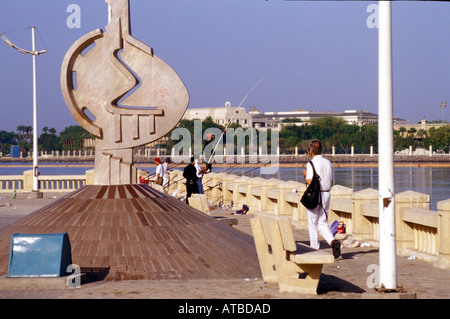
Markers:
209,155
159,171
190,174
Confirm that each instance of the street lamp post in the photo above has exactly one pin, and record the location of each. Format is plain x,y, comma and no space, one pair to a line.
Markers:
35,193
35,133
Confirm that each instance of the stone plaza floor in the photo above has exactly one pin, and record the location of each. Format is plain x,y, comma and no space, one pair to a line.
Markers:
350,277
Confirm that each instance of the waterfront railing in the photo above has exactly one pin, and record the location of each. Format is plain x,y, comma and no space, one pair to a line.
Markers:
420,231
12,182
47,183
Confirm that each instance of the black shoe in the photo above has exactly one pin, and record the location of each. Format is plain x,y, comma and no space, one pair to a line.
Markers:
336,246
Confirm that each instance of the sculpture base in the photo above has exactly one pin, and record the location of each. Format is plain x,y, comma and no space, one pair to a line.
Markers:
114,167
137,232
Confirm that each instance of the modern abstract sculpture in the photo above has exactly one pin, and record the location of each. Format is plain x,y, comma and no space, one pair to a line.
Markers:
120,92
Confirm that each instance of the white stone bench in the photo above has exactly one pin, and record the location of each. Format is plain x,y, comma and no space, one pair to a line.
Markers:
295,266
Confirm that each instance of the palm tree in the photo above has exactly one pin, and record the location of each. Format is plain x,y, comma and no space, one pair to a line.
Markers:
402,130
20,130
421,133
411,131
29,130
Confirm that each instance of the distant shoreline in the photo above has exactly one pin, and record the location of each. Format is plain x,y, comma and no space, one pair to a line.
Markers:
437,160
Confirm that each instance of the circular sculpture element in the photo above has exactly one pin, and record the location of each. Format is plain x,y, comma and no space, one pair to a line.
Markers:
118,90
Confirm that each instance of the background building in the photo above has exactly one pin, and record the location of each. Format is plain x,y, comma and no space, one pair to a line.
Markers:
258,119
221,115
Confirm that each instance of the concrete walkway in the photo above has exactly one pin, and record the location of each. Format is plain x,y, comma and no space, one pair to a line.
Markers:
350,277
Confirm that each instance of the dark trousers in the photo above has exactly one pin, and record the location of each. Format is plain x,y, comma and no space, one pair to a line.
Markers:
191,188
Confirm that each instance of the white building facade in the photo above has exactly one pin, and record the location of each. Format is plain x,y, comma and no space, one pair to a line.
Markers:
257,119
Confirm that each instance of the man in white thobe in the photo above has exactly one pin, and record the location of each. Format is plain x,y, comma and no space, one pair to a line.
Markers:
318,217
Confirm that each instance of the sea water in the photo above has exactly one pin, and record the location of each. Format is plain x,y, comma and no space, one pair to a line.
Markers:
433,181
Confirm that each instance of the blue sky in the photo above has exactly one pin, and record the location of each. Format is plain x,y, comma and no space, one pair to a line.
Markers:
317,55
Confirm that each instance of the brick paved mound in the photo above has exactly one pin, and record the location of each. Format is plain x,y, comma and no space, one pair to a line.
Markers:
135,232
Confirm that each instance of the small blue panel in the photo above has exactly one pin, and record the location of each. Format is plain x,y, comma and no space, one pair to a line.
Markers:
15,151
39,255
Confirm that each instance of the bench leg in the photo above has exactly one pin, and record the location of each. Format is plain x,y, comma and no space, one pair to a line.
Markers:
293,277
307,283
265,257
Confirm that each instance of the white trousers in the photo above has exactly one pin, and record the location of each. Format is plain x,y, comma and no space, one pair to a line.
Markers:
318,222
165,181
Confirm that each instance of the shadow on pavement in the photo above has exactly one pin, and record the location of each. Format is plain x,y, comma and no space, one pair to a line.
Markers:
330,283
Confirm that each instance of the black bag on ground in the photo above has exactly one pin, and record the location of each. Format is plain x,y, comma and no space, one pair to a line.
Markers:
311,196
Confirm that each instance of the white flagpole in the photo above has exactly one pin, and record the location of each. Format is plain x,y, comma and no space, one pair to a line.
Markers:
387,250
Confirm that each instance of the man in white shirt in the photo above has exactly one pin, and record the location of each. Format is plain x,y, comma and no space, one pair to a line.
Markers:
159,171
318,217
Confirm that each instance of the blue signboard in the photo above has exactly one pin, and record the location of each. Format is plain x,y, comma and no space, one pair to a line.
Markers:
39,255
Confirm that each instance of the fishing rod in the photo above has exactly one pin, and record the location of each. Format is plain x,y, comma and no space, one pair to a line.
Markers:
149,176
178,180
229,169
230,121
220,183
242,174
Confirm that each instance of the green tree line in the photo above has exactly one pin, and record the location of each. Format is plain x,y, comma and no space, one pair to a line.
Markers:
333,131
208,122
439,138
70,139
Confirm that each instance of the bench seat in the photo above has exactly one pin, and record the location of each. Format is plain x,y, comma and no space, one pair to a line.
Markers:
295,266
305,254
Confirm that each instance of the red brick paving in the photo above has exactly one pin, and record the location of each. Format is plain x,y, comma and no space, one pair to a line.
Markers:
140,233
